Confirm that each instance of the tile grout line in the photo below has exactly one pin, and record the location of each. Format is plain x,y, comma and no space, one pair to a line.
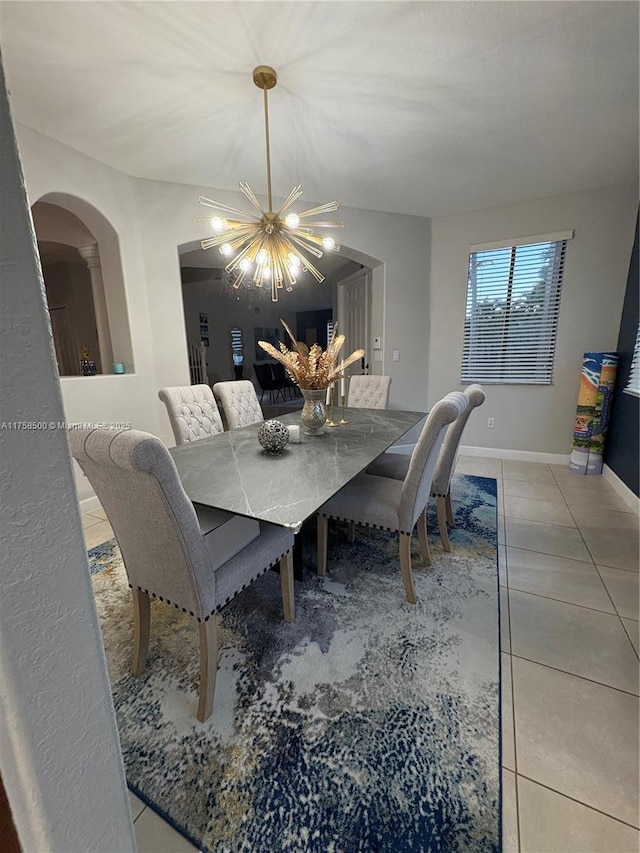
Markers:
562,556
595,565
573,675
579,802
513,704
562,601
511,657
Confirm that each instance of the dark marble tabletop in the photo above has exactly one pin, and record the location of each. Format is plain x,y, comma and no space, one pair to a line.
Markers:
231,471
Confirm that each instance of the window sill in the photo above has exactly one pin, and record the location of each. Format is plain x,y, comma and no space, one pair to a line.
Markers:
75,378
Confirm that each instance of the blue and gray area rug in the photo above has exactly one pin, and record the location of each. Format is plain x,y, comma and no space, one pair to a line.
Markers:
367,725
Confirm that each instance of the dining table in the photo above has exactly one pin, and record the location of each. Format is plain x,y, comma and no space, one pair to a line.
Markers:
231,471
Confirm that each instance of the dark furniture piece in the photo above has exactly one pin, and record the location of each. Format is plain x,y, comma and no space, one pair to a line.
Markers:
267,382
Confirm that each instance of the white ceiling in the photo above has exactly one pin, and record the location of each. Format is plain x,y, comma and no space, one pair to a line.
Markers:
425,108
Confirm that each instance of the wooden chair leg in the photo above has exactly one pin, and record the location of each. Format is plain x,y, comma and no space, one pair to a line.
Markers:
141,623
442,523
405,567
425,553
450,517
323,533
286,583
208,666
351,531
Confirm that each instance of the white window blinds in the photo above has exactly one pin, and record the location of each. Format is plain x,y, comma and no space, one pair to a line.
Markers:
236,341
511,318
633,382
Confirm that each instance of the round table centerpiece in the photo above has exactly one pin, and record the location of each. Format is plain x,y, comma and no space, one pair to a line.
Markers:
273,436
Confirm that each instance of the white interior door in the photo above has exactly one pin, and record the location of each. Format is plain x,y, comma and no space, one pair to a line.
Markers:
354,316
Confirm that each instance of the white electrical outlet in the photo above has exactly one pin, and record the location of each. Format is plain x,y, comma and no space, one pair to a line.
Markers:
491,422
396,355
377,355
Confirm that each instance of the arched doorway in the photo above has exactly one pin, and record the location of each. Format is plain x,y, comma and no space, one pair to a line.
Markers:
81,265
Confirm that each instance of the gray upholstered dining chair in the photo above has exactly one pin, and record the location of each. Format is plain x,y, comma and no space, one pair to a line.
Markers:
396,465
240,403
393,505
368,392
193,412
196,562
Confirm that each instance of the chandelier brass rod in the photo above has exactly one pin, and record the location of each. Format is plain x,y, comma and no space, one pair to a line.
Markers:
266,133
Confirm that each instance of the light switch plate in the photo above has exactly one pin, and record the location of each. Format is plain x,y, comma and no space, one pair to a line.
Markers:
377,343
396,355
377,355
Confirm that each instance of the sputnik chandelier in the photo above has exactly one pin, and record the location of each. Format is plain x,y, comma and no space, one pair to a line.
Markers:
271,247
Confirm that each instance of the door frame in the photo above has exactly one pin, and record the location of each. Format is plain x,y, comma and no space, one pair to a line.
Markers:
367,274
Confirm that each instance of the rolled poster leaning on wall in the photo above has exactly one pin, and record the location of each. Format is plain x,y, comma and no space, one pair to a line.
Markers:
594,406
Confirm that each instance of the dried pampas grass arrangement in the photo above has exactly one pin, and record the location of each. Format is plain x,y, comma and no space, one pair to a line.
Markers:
312,368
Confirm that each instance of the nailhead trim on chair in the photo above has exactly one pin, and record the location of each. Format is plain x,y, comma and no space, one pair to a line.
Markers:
365,524
220,606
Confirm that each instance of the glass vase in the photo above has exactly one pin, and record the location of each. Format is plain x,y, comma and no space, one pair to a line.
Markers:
314,413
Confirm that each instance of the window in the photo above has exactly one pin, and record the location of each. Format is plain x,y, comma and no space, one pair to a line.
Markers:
236,344
511,318
633,382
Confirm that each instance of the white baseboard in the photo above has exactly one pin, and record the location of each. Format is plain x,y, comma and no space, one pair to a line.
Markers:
521,455
498,453
632,501
89,504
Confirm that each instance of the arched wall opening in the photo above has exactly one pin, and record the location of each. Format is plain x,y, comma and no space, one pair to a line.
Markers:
82,267
212,308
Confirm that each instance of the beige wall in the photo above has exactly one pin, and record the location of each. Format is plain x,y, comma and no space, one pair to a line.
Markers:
419,288
535,418
151,219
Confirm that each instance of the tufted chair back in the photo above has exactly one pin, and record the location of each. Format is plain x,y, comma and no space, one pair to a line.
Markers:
449,453
240,403
369,392
154,521
417,483
193,412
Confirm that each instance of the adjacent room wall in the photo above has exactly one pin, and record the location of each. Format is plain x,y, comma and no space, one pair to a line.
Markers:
401,242
423,321
622,452
223,315
50,167
152,219
535,418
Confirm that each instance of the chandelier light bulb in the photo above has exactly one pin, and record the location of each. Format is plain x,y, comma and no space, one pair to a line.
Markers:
262,257
328,243
294,260
218,224
292,220
245,264
266,272
226,250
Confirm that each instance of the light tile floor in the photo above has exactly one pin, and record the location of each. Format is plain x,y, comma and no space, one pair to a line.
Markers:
569,571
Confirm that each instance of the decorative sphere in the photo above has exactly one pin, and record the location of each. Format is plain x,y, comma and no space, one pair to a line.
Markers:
273,436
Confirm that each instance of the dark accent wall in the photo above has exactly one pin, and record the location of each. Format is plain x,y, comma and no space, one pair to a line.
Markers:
622,454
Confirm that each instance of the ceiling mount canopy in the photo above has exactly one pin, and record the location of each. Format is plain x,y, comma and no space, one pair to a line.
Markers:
269,246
